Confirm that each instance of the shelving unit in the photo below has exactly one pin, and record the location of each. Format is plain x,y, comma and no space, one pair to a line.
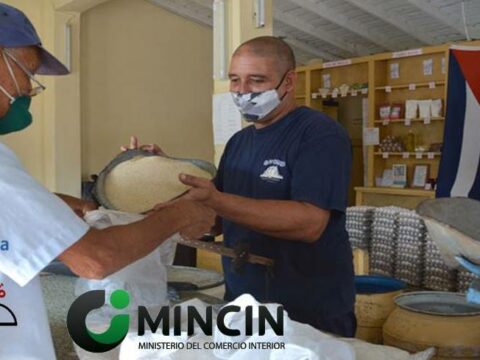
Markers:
301,89
411,83
346,109
394,84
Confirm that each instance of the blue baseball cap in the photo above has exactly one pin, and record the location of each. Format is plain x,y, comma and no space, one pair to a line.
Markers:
17,31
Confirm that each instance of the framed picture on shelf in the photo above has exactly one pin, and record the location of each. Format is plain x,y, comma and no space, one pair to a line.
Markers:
387,178
399,175
420,175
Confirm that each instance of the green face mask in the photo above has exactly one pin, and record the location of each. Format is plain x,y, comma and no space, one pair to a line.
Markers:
18,116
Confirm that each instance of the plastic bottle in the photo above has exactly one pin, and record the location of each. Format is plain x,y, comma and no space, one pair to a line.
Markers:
410,143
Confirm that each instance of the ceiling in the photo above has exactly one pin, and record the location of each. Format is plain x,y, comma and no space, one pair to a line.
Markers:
339,29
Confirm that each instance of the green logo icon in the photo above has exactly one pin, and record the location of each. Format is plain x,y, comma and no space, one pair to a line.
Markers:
113,336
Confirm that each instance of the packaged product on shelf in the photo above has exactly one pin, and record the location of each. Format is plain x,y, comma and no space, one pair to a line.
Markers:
323,92
396,111
424,108
344,90
436,108
411,107
435,147
391,144
385,111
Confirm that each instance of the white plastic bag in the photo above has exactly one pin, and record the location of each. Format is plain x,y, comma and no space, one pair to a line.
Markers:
145,279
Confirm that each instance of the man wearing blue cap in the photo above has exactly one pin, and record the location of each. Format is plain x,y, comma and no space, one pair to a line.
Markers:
36,226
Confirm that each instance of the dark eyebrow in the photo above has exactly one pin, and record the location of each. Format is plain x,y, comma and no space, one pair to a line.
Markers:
261,76
251,75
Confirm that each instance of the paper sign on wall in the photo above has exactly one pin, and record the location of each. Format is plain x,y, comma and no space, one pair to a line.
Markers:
327,83
394,71
406,53
337,63
428,67
227,120
371,136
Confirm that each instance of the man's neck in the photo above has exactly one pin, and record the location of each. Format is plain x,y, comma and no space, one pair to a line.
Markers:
287,107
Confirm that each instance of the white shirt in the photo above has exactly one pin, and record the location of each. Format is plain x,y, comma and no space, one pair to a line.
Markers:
37,226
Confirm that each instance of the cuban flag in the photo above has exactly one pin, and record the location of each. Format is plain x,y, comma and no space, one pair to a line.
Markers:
459,173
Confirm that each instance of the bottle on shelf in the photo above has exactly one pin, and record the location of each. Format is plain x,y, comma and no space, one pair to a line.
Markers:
410,141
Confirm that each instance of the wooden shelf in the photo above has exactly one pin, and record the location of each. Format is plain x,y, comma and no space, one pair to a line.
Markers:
397,191
329,95
406,86
415,120
414,154
300,96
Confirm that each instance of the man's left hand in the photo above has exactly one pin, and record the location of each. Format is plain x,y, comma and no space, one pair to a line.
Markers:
79,206
82,207
202,190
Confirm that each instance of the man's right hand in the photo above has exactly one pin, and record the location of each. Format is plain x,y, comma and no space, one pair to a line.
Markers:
153,148
200,217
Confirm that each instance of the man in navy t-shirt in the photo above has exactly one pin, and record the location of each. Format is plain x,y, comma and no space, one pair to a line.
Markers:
281,191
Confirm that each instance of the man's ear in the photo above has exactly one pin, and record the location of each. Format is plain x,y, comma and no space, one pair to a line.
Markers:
290,80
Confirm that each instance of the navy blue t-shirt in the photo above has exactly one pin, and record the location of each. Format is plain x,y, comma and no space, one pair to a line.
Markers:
305,156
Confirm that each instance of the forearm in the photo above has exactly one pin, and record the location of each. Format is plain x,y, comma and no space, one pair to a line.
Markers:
284,219
71,201
102,252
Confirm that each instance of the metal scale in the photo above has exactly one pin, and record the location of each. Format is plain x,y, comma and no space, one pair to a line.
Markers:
239,254
454,225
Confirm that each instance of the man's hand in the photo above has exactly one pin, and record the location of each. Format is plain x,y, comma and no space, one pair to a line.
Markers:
201,218
79,206
87,206
202,190
152,148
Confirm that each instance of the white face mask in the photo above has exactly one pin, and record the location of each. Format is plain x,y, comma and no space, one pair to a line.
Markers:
255,106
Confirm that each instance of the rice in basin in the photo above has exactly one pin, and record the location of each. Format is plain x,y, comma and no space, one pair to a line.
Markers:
137,185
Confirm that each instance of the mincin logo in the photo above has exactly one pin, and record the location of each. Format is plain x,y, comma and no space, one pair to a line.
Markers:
113,336
118,329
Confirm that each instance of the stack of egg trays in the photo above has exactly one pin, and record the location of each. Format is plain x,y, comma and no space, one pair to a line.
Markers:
465,279
384,240
359,226
410,250
437,275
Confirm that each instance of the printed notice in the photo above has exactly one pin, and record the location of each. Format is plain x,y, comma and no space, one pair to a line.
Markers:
394,71
227,120
371,136
428,67
406,53
336,63
327,83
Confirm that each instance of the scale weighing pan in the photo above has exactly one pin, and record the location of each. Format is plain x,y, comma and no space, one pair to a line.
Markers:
136,180
453,224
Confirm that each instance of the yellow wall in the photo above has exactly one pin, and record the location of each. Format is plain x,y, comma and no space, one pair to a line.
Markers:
148,72
29,145
168,101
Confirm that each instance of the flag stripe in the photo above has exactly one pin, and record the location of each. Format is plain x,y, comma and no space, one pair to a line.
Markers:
470,151
453,133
